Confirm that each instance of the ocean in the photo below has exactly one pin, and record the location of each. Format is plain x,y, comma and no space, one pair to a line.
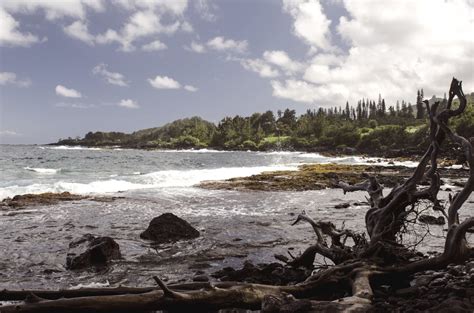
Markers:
235,226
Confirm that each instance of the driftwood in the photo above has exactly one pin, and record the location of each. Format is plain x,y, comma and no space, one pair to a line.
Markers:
359,262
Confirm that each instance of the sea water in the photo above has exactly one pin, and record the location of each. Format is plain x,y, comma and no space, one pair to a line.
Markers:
235,226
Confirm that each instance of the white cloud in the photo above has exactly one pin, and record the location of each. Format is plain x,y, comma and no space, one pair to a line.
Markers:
141,24
187,27
265,67
206,9
67,92
221,44
164,82
310,22
301,91
11,78
259,66
75,105
154,46
395,47
53,9
10,35
196,47
173,7
129,104
146,18
190,88
281,59
112,78
9,133
79,30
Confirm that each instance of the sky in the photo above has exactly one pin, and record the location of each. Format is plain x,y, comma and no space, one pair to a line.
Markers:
68,67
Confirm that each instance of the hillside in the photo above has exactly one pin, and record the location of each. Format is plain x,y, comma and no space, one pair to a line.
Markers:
368,128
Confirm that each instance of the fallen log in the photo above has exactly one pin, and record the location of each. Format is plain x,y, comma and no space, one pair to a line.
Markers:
20,295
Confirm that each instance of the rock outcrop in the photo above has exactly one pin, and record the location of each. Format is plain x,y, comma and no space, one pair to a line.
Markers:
168,228
90,251
46,198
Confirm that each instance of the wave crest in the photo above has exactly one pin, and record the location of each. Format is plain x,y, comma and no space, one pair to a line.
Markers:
43,170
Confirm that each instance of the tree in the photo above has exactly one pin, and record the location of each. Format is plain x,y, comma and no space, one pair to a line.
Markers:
420,110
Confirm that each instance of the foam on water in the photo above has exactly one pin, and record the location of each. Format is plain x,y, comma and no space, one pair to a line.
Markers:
72,148
42,170
175,178
316,157
193,151
159,179
91,285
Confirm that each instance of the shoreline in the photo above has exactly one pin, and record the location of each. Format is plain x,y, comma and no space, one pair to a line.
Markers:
321,176
401,155
308,176
409,154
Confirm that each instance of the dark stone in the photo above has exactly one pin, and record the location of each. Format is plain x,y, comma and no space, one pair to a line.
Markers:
199,265
407,291
298,306
201,278
431,220
168,228
342,205
438,282
272,273
90,251
289,304
453,305
46,198
423,280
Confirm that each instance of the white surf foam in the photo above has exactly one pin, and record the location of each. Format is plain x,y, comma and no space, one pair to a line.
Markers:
281,153
193,151
96,187
43,170
73,148
91,285
159,179
316,157
176,178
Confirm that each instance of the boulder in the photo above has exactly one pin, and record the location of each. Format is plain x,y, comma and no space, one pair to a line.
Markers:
90,251
342,205
168,228
431,220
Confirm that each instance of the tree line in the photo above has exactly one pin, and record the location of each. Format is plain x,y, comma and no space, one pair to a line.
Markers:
368,127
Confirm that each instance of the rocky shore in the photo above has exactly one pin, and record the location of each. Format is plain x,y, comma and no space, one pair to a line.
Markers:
48,198
321,176
446,290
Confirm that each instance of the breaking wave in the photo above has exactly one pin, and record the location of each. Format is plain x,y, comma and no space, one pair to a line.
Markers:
43,170
159,179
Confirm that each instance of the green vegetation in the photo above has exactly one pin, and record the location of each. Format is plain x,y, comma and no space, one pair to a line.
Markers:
370,127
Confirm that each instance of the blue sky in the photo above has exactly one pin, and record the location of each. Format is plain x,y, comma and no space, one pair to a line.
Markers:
71,66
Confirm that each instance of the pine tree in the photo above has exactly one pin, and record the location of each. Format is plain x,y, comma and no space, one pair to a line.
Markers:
420,110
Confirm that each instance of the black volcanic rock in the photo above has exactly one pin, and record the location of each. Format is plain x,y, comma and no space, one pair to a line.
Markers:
90,251
431,220
168,228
